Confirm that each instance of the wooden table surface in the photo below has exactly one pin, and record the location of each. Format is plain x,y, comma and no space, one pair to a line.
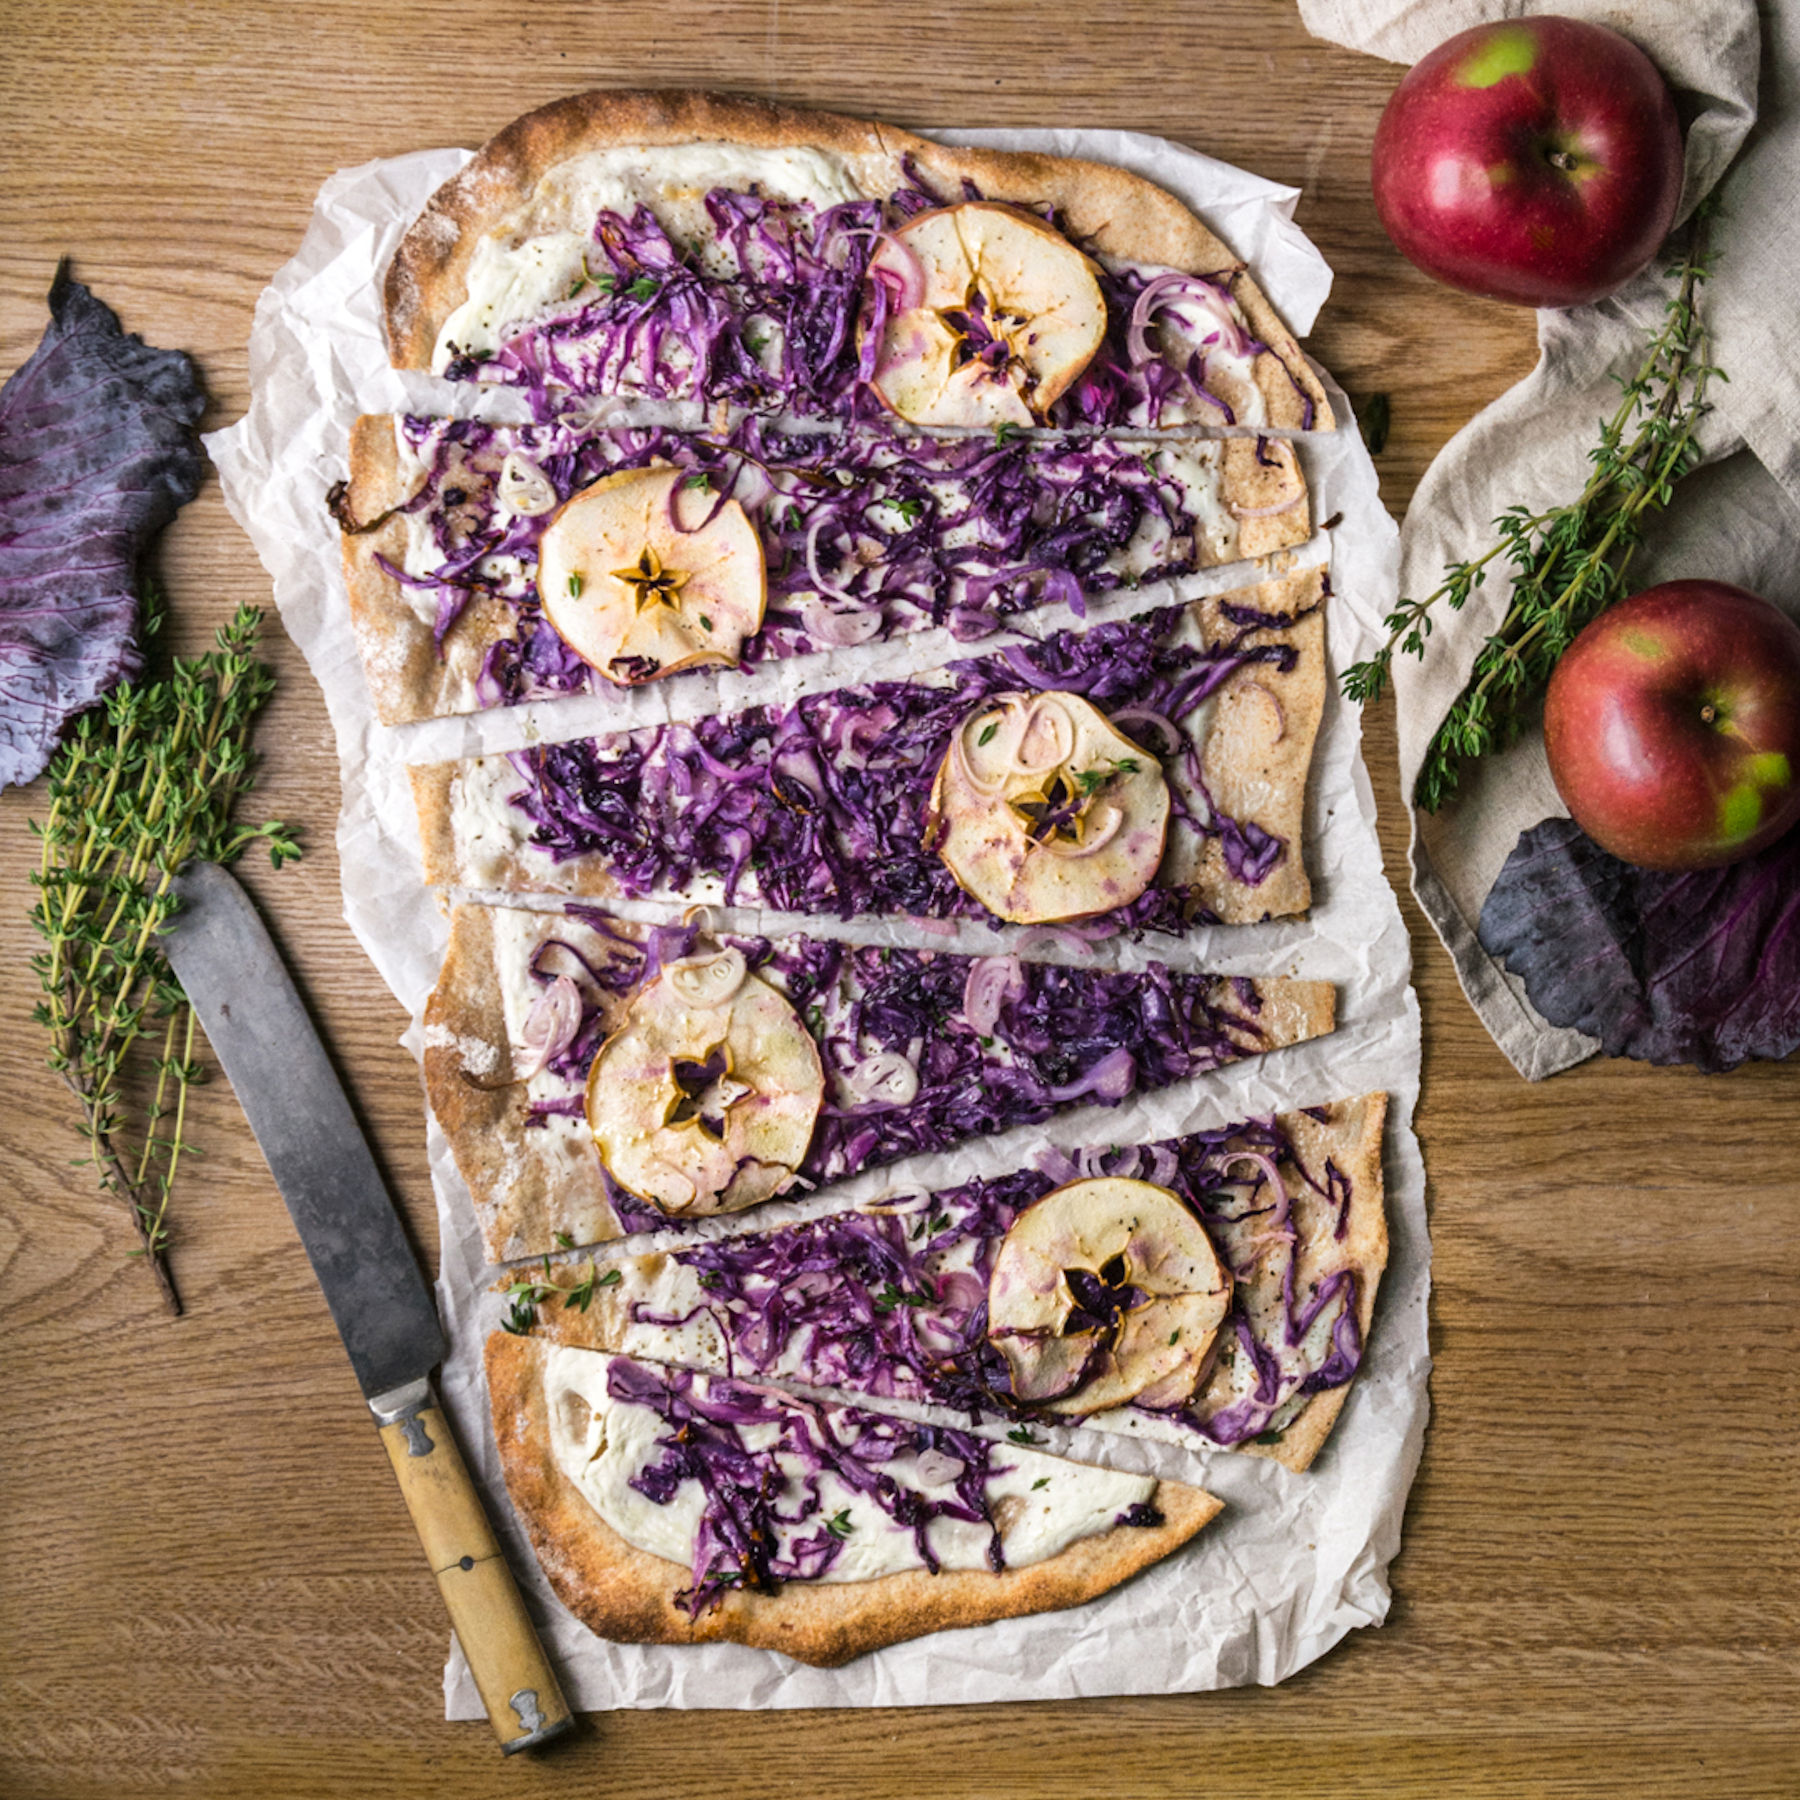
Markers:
210,1586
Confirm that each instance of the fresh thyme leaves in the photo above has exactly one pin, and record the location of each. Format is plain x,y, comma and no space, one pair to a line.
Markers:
1022,1434
839,1525
143,783
1569,563
892,1296
525,1296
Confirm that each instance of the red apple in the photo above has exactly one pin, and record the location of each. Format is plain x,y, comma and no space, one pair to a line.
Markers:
1673,726
1534,160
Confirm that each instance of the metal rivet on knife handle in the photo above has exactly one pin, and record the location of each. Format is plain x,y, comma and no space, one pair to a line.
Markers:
524,1703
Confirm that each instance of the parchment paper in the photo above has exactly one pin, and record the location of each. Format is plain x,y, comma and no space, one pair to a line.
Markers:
1295,1562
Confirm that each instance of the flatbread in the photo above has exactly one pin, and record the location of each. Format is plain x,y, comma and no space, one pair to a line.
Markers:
1258,755
538,1187
1349,1134
412,677
628,1594
1116,214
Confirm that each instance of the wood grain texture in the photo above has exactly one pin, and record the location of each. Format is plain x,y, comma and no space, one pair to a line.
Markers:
211,1587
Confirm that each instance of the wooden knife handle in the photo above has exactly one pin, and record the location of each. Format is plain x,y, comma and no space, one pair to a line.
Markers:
524,1702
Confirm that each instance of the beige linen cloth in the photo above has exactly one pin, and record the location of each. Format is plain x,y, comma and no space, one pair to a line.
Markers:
1737,84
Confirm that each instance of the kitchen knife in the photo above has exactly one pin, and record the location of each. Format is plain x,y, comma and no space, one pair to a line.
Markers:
244,998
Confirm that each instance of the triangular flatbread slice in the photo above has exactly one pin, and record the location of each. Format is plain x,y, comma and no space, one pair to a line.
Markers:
895,1300
640,1488
838,802
865,537
702,246
987,1043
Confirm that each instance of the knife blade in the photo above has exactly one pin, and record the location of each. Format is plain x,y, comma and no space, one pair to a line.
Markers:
259,1029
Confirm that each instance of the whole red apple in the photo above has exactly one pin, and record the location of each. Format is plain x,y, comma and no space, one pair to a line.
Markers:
1534,160
1673,726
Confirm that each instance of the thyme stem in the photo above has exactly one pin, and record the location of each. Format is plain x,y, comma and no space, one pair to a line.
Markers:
142,784
1569,563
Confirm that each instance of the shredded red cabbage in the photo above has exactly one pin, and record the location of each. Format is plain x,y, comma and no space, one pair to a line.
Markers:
781,313
821,806
1059,1037
893,1303
907,532
752,1532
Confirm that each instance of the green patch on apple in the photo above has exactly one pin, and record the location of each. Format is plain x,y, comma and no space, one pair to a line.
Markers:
1505,53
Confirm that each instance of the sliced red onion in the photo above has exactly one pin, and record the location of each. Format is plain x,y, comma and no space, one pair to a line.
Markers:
1172,291
523,487
993,980
1058,1165
838,629
960,1290
1264,512
1256,1158
909,275
550,1027
885,1079
1274,700
830,589
1145,715
936,1469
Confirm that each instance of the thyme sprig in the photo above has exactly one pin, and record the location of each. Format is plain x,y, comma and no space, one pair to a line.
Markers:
530,1292
1569,563
143,783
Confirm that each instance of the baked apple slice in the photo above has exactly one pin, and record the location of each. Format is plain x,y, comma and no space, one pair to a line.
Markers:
642,575
991,316
704,1100
1042,810
1105,1291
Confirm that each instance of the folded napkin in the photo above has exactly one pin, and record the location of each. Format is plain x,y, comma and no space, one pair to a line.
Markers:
1735,519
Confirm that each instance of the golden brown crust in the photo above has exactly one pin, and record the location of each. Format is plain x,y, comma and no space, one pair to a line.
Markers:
1108,209
528,1183
408,677
1351,1135
1255,475
426,281
626,1594
1257,755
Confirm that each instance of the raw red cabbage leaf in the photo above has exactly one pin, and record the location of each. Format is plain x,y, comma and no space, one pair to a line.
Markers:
98,449
1699,968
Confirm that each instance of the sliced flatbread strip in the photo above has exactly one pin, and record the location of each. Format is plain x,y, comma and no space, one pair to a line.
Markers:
524,1145
519,220
545,1402
903,1313
447,588
840,818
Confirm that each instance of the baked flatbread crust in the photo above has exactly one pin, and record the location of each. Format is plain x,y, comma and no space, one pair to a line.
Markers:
628,1595
1350,1134
1118,214
409,678
1255,763
534,1186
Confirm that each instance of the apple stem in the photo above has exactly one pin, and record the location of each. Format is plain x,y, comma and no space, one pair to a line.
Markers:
1708,713
1561,159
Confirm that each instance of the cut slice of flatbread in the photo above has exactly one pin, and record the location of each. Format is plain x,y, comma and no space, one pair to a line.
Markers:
447,587
573,1428
839,820
510,244
523,1143
891,1300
